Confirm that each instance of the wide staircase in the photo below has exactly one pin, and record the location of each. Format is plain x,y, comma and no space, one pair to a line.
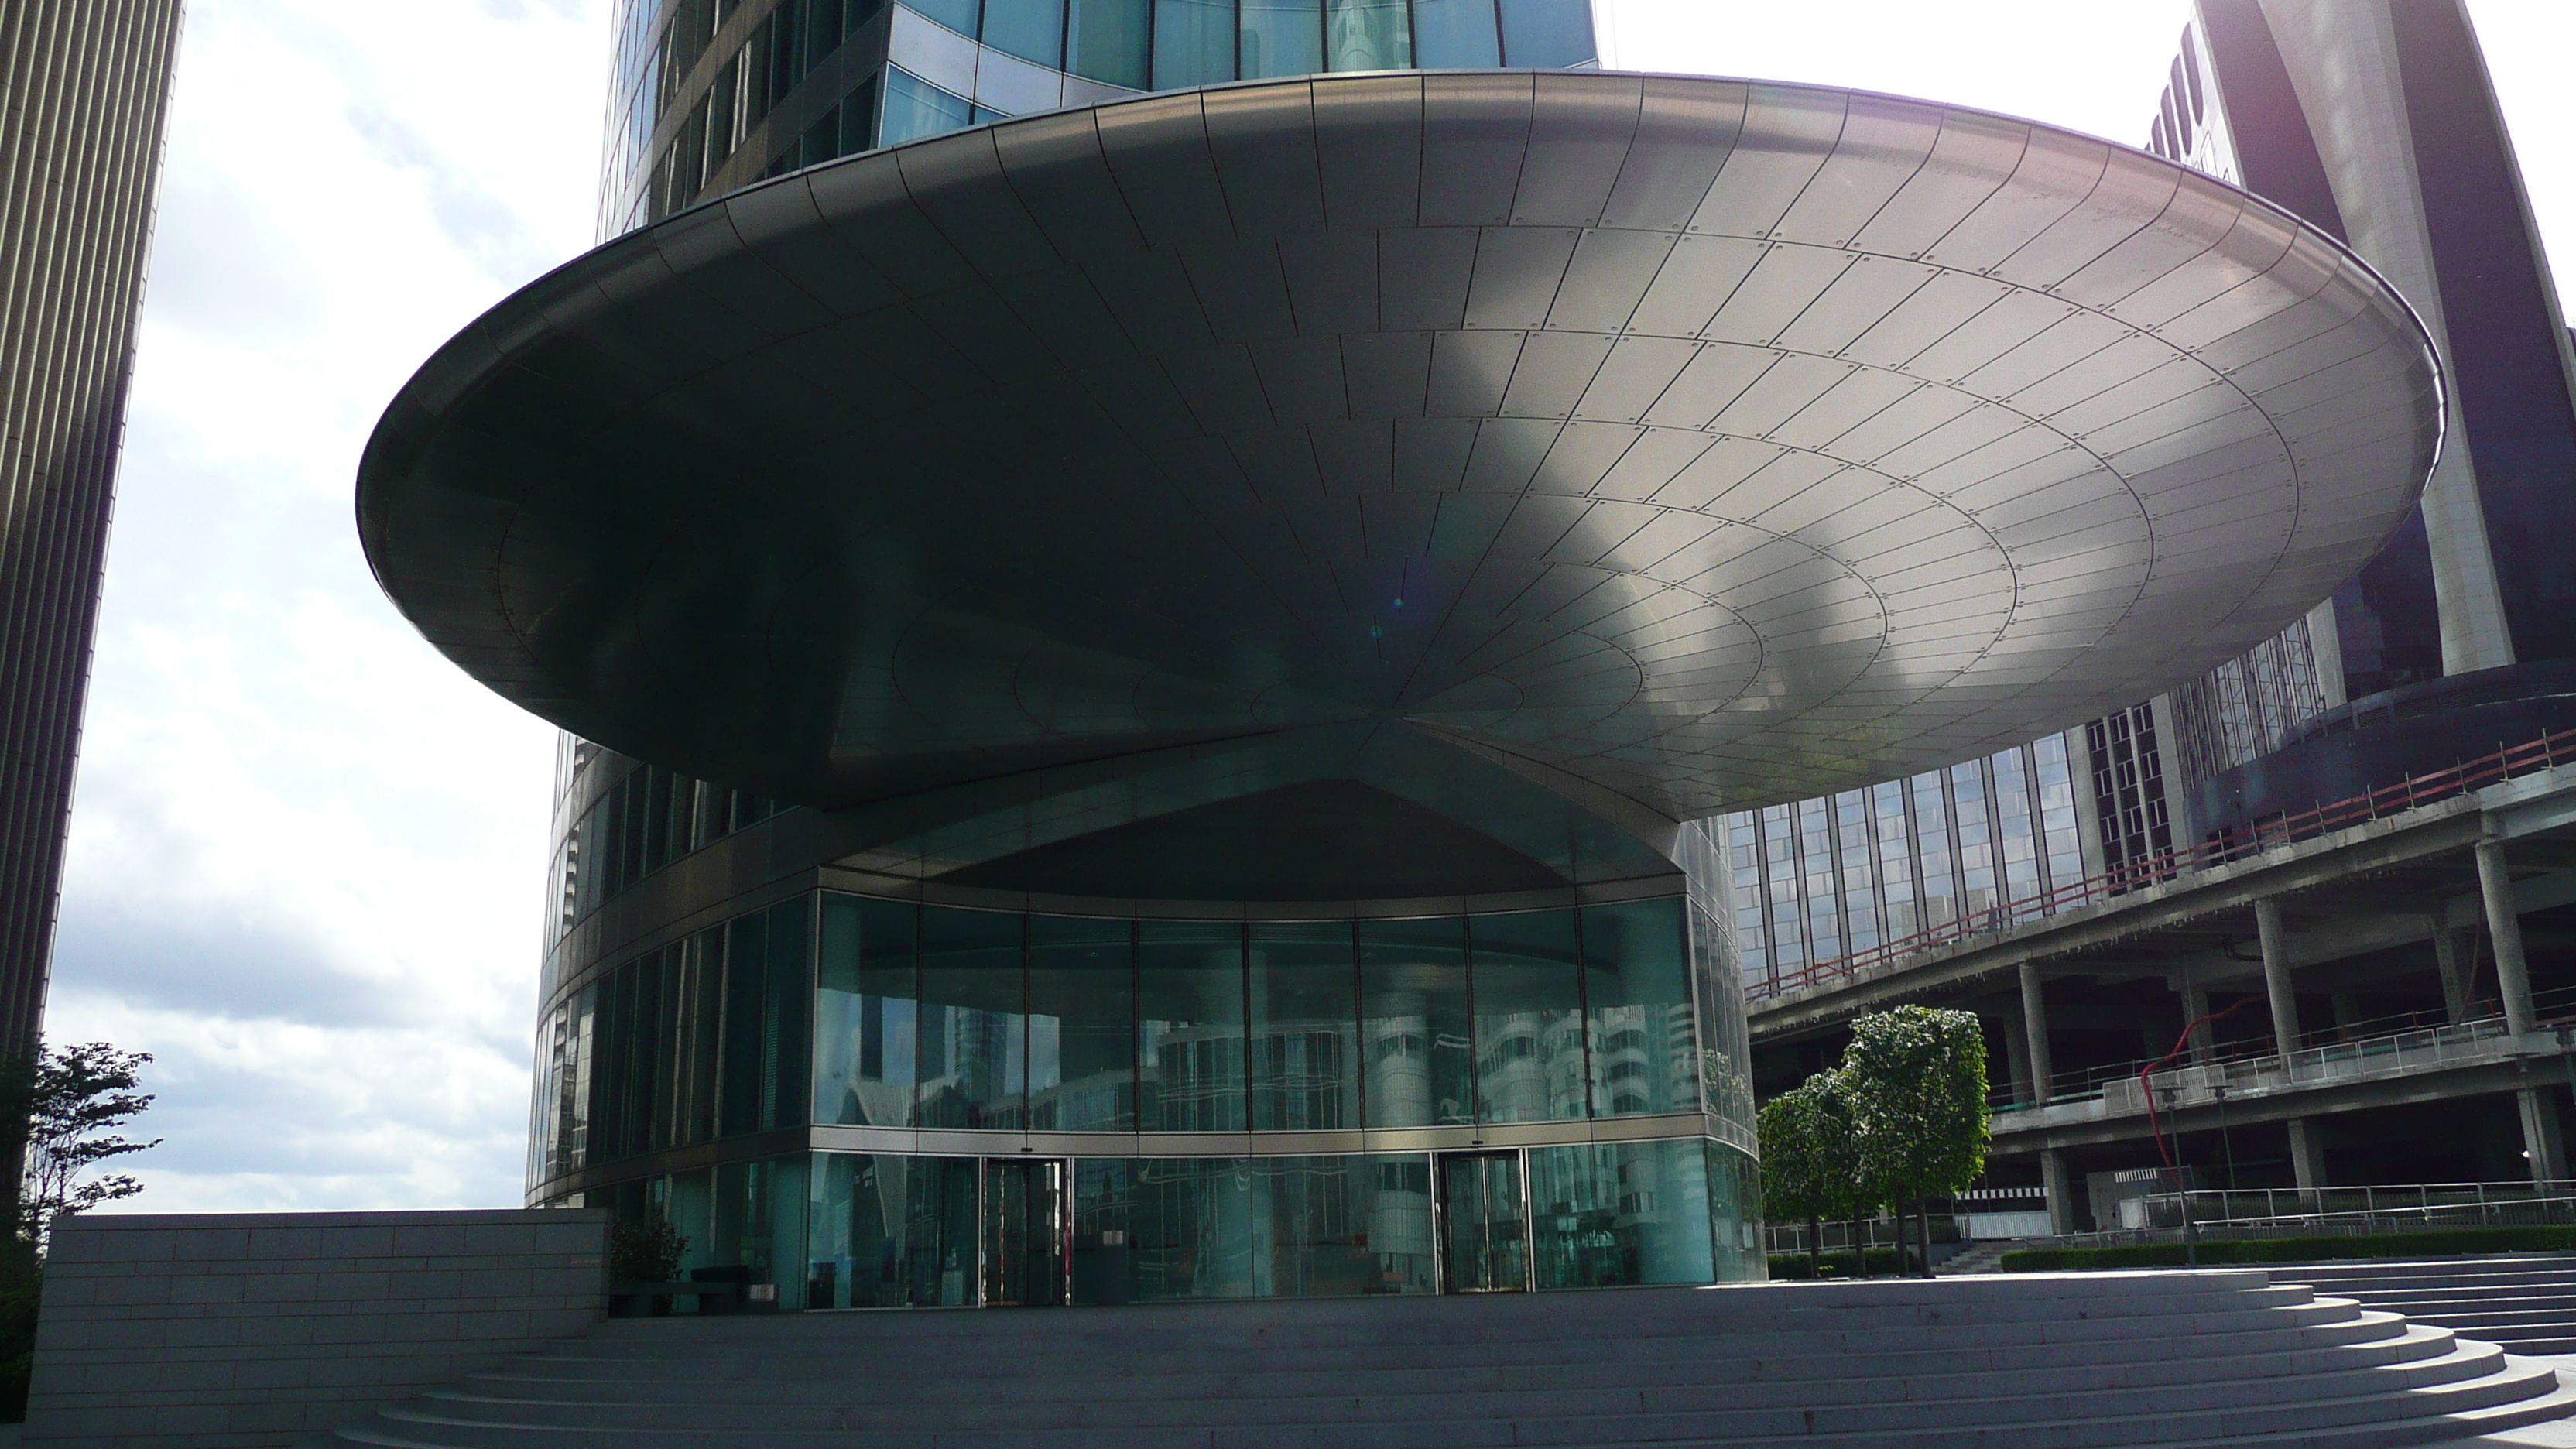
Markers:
2036,1362
2525,1303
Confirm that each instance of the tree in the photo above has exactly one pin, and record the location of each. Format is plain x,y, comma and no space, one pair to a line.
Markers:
1916,1081
1791,1127
63,1107
75,1098
646,1250
1811,1161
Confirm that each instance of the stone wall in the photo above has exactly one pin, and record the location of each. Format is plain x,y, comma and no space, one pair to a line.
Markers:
228,1331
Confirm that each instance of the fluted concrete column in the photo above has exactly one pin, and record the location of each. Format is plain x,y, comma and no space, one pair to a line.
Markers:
2034,1022
2541,1139
2307,1156
2059,1185
2446,960
2504,928
2276,978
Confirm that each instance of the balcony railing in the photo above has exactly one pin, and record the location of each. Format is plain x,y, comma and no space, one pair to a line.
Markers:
2171,1217
2275,833
2401,1042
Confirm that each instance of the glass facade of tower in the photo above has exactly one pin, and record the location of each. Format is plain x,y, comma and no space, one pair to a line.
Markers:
710,95
1161,1063
873,1091
1820,880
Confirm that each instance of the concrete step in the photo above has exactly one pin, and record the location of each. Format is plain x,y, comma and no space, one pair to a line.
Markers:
2536,1268
2430,1356
2182,1359
2527,1303
2342,1422
1430,1323
1976,1258
2010,1363
1750,1308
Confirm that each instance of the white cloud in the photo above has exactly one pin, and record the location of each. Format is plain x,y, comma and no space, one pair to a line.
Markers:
307,852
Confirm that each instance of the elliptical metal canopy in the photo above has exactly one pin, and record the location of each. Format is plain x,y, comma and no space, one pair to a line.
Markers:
1679,445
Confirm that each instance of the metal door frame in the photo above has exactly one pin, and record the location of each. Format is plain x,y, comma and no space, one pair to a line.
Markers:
1440,1219
984,1207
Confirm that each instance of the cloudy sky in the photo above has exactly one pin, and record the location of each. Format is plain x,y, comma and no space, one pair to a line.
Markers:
307,852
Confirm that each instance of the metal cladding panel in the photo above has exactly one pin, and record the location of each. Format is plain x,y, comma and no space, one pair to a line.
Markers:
1665,446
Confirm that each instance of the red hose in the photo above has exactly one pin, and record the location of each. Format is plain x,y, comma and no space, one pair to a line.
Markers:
2181,1044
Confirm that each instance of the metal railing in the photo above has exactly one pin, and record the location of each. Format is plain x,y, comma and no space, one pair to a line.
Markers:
2232,845
2337,1212
2355,1040
2474,1203
2469,1041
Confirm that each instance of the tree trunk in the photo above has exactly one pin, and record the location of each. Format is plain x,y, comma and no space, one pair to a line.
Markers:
1923,1220
1815,1248
1860,1249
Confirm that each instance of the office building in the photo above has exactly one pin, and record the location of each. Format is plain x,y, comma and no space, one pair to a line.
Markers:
2401,977
1155,656
87,88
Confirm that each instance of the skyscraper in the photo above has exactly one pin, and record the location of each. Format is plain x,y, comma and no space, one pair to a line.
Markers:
1247,589
84,89
2375,121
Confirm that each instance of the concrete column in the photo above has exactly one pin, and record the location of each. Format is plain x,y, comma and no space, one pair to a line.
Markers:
2455,981
2034,1021
2540,1135
2307,1156
2504,927
2276,978
2017,1059
2054,1180
2195,1005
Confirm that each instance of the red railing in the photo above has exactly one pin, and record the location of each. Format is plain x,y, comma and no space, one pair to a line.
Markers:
2240,843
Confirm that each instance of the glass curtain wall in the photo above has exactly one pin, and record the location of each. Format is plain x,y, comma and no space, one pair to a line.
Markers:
1190,1023
886,1230
687,98
937,1016
1813,882
698,1041
851,1011
1304,1001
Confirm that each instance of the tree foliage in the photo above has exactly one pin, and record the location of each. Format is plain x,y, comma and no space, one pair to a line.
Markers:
1811,1158
1916,1081
66,1104
74,1099
646,1250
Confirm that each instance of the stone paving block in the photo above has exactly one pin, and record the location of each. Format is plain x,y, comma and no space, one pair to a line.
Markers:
282,1288
348,1242
356,1284
284,1243
152,1245
206,1288
185,1332
436,1240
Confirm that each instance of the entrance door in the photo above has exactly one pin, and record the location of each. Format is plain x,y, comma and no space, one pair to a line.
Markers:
1484,1224
1028,1225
